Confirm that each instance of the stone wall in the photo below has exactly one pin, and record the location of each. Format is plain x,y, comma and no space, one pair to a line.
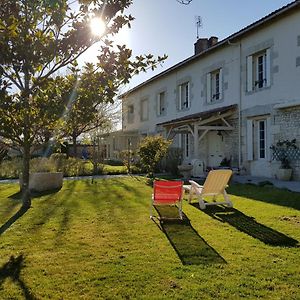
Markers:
286,126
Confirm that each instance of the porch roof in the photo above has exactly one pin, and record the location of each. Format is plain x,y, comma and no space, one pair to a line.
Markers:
199,116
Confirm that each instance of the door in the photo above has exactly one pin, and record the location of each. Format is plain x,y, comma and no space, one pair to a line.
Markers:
215,149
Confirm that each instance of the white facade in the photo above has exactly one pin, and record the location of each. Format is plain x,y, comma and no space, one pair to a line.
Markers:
245,90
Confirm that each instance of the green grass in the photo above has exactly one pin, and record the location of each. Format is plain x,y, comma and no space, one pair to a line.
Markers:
96,241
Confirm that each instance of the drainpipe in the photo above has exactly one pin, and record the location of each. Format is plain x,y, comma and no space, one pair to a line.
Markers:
239,104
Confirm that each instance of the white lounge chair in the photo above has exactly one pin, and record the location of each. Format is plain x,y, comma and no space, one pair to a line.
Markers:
214,185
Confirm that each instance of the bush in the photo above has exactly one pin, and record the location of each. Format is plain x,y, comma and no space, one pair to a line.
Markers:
173,159
113,162
151,150
11,169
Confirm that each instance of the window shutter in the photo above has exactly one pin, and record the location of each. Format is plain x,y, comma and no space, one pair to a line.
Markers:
221,84
189,95
268,67
208,88
268,136
249,140
180,97
249,73
158,105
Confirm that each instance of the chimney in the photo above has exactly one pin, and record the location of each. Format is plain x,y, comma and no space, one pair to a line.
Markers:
212,41
203,44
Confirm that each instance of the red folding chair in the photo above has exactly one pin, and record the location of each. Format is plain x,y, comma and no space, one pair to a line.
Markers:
167,193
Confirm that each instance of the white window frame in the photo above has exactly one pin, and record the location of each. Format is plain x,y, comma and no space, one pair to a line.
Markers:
214,86
264,148
130,113
184,96
144,110
185,144
259,70
161,107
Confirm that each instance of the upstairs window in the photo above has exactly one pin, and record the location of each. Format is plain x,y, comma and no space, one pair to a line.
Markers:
130,113
258,70
184,96
214,86
144,110
161,104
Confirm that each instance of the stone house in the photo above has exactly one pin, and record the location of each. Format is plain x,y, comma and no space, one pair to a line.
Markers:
231,100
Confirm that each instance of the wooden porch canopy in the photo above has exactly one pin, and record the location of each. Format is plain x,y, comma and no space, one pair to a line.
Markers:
214,119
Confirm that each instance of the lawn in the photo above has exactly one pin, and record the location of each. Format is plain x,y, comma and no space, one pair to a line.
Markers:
96,241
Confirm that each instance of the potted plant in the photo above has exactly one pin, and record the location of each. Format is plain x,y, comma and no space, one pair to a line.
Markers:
283,151
43,176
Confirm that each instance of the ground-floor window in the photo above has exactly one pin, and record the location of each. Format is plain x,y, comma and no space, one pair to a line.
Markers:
185,144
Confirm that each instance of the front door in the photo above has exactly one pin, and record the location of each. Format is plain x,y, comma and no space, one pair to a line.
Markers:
215,149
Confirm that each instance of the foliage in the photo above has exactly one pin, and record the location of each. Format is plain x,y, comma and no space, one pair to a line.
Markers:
281,150
40,38
81,226
151,150
226,162
173,159
127,157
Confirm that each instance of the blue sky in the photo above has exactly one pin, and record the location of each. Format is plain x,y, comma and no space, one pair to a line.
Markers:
167,27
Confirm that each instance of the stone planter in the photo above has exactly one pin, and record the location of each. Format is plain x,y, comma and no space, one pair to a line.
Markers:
185,171
44,181
284,174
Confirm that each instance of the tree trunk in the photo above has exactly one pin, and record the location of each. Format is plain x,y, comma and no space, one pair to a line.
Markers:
74,139
26,197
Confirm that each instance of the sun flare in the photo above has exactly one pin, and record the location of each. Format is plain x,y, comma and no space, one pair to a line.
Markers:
97,26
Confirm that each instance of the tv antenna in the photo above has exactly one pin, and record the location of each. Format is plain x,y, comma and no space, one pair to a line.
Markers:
199,24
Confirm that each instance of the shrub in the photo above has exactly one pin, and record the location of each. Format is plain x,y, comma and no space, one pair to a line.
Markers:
173,159
151,150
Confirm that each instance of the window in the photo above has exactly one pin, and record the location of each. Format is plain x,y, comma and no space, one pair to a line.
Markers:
214,86
130,113
258,139
261,139
184,96
161,104
144,110
184,144
258,70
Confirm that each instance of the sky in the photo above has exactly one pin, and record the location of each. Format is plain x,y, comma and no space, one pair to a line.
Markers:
167,27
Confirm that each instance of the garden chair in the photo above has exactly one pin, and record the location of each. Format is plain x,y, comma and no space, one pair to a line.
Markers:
214,185
167,193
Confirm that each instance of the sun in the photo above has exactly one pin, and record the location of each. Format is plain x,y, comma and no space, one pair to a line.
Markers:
97,26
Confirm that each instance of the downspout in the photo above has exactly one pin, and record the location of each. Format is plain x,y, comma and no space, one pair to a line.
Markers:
239,104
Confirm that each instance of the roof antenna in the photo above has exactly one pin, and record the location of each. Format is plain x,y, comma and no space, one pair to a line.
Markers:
199,24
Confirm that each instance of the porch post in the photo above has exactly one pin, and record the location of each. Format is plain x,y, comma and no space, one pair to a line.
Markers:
196,141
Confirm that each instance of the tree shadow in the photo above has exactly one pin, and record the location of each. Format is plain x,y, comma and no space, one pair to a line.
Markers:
248,225
13,219
12,270
190,247
267,194
34,194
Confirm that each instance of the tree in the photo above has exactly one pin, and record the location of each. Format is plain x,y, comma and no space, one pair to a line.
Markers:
151,150
39,38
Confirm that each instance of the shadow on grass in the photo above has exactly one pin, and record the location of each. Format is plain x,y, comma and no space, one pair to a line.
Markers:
248,225
18,195
190,247
13,219
11,270
266,194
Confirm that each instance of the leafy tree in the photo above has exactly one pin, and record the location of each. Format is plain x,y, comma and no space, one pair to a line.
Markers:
39,38
151,150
